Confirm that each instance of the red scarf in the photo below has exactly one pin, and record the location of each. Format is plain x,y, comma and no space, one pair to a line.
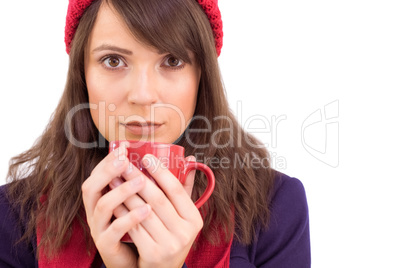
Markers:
75,253
209,256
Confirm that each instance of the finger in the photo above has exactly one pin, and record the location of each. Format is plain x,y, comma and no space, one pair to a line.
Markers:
142,239
156,230
120,211
110,167
104,208
131,173
153,225
138,233
167,215
130,203
114,161
189,181
171,187
120,226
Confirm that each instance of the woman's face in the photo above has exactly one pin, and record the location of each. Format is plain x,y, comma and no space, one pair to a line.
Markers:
135,91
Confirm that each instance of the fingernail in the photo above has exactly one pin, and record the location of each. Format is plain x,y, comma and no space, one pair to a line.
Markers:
121,152
118,162
147,161
137,180
117,151
125,144
191,158
115,182
129,169
144,209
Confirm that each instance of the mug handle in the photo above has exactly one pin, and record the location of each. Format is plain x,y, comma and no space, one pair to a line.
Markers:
192,165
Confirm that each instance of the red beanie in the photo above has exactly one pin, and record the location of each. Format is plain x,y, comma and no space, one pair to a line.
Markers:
77,7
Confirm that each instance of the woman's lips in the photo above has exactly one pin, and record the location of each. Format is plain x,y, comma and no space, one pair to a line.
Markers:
142,128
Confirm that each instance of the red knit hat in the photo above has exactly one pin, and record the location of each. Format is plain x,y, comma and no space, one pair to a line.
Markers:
77,7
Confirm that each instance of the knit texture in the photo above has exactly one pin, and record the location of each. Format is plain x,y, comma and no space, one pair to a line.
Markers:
74,13
215,19
209,256
76,9
75,254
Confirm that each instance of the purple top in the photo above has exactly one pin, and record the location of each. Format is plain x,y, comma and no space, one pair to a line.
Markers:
286,244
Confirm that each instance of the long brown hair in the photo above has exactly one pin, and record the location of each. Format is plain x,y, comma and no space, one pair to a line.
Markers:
46,180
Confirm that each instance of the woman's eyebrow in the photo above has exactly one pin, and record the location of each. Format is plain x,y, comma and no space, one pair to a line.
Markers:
114,48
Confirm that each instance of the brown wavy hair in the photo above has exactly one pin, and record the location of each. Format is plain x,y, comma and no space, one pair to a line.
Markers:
55,167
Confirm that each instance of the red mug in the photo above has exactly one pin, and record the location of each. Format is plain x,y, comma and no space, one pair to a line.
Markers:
171,156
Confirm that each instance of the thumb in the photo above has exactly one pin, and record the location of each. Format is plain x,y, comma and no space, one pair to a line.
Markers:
189,183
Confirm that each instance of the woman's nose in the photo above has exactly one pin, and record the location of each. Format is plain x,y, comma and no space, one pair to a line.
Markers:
143,86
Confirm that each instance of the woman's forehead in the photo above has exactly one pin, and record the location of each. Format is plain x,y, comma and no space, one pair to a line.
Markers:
110,28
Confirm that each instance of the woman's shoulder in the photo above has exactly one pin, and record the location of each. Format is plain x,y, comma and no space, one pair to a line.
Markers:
282,179
13,253
6,205
4,201
286,241
288,190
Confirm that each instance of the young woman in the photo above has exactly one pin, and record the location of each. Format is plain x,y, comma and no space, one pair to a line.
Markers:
147,70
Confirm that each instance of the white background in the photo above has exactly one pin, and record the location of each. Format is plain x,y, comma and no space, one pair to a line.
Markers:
280,59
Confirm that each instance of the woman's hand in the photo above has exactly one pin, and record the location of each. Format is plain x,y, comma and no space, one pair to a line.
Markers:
100,206
165,237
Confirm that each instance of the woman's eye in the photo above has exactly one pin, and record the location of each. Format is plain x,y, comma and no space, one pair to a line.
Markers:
113,62
173,62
